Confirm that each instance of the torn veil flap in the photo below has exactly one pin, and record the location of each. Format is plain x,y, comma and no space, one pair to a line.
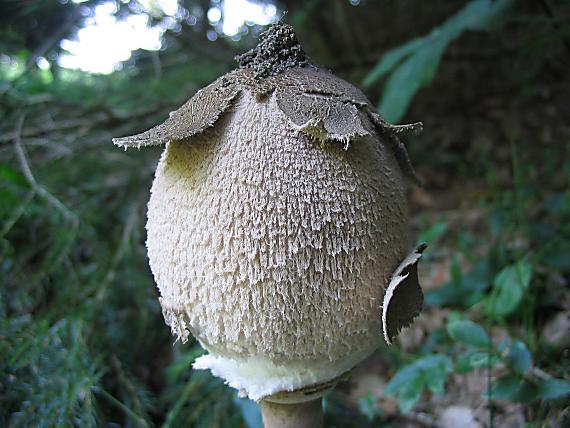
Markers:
324,117
198,114
404,298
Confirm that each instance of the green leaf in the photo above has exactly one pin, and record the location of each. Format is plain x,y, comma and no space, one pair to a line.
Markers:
389,60
468,333
465,294
415,72
405,375
13,190
471,360
555,255
13,176
513,388
411,371
368,406
414,63
435,379
558,204
481,15
433,361
455,270
552,389
250,412
432,233
509,287
408,383
505,388
519,357
411,392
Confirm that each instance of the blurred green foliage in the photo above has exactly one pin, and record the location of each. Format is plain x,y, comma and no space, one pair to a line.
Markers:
498,291
414,64
82,341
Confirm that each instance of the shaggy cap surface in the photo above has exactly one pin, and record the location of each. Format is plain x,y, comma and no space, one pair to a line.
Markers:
276,220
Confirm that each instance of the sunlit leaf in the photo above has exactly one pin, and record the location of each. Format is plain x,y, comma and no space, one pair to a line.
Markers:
509,287
468,333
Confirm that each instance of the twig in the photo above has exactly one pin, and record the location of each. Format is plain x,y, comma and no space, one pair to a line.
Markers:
120,253
130,388
66,125
29,176
136,418
59,148
540,374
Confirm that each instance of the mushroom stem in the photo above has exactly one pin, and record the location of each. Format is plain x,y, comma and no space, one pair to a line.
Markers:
296,415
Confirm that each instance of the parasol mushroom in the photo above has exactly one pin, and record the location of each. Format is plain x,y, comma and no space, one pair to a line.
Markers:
277,228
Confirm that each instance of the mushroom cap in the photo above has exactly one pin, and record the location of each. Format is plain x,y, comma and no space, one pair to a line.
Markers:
276,220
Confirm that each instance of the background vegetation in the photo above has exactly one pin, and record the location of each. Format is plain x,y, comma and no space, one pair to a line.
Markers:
82,341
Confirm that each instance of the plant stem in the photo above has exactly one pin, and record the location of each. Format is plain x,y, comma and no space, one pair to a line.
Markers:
296,415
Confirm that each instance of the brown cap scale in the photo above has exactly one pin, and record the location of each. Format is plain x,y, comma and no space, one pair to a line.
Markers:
277,222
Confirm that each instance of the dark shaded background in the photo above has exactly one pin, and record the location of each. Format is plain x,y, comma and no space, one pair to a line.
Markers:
82,340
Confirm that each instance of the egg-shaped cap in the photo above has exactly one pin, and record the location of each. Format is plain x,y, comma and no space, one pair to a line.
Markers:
277,218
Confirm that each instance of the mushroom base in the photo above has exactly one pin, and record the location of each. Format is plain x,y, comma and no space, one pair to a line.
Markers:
260,378
300,415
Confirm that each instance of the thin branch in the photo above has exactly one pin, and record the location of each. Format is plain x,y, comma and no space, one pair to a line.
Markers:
129,387
540,374
66,125
120,252
29,176
136,418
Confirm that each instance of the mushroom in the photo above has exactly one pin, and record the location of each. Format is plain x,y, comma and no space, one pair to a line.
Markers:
277,227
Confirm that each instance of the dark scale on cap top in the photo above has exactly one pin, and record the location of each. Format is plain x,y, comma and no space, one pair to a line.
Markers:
278,50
